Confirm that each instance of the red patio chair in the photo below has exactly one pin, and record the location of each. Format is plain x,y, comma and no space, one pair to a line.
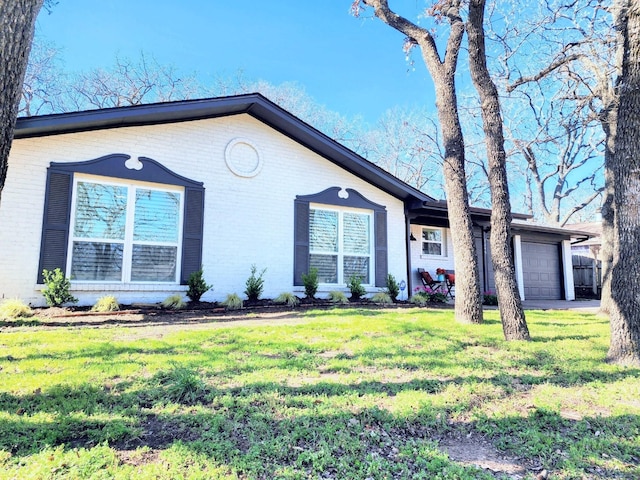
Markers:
427,280
450,283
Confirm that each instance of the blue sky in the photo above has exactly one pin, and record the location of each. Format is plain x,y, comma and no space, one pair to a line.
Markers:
354,66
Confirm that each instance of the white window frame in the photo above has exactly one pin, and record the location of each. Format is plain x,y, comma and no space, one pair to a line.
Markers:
442,242
341,281
127,257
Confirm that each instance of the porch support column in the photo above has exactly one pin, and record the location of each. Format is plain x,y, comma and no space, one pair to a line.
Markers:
517,260
567,271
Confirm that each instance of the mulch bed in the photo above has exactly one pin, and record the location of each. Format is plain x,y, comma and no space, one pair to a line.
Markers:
194,312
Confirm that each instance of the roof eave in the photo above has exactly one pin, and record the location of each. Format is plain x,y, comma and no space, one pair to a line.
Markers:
253,104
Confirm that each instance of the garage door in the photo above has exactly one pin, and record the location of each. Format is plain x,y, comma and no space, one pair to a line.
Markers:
541,271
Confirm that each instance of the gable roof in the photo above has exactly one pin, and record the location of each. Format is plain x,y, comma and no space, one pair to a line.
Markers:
252,104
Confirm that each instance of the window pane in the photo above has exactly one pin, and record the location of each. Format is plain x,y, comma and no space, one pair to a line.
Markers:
356,233
101,211
153,263
97,261
358,266
432,235
323,231
431,248
327,266
157,215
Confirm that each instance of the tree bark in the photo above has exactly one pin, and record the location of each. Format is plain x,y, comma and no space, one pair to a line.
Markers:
608,117
468,306
625,167
607,211
17,24
512,315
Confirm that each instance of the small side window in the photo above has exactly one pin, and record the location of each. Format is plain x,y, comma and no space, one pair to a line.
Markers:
433,242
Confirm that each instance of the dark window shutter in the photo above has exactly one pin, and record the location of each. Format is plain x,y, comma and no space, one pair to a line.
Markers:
55,223
382,265
192,232
301,241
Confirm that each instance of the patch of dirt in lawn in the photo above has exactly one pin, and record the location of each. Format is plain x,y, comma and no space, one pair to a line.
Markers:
138,457
479,452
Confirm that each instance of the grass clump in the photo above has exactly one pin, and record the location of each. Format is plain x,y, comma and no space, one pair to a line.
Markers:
336,296
174,302
420,298
181,385
382,298
108,303
288,299
14,308
233,302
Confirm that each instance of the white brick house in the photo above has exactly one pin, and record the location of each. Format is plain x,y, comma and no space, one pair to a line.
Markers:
129,201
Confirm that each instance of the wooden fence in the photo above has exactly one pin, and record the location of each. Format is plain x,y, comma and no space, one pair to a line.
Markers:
587,276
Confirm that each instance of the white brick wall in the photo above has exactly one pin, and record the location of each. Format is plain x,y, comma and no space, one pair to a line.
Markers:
429,262
247,220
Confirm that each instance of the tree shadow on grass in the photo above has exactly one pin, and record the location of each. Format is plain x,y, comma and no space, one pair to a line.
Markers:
260,428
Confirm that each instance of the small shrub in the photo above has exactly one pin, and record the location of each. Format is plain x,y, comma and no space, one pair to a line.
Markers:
174,302
197,286
310,282
356,288
382,298
393,289
14,308
489,298
420,298
183,385
56,290
232,302
336,296
288,299
255,285
106,304
439,298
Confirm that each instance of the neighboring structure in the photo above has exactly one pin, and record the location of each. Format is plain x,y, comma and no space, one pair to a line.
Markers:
587,265
129,201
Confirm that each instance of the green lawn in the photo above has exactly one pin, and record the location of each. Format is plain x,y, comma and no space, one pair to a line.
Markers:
345,394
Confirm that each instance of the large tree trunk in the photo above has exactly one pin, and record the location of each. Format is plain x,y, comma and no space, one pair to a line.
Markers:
608,117
607,213
625,167
514,324
17,24
468,307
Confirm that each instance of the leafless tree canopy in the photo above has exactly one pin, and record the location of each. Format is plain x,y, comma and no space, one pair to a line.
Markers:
556,65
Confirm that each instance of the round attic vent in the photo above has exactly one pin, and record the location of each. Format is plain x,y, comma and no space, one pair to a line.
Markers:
243,158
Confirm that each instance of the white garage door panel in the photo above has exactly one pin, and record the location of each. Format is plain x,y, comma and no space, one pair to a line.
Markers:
541,271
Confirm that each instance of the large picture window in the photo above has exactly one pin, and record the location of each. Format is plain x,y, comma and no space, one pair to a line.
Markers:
340,244
119,219
124,232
